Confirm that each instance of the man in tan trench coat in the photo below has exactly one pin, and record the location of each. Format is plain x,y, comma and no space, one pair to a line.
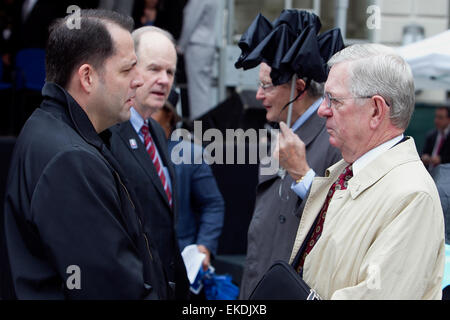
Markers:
380,235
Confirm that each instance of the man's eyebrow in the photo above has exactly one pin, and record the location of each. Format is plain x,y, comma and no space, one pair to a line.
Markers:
129,64
153,64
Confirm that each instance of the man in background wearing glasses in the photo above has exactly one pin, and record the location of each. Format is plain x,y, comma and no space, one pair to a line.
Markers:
373,227
279,197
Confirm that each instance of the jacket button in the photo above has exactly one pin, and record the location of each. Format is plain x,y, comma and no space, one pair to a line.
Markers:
282,219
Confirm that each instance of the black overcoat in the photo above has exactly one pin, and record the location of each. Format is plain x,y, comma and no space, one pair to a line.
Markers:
68,206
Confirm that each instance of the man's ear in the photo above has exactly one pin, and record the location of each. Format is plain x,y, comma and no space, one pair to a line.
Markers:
87,77
300,85
379,109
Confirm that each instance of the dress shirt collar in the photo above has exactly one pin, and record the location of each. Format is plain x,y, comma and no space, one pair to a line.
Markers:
364,160
136,120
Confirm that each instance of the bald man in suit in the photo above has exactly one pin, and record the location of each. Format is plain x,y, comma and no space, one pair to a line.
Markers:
140,146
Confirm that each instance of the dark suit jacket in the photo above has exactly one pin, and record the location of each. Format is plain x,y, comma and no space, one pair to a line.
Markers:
275,220
68,204
441,176
430,140
201,205
445,151
159,216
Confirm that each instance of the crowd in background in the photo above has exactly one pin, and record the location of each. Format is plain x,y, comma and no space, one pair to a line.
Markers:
25,24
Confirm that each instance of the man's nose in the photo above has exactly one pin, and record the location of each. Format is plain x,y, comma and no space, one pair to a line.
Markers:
324,111
163,78
260,94
138,80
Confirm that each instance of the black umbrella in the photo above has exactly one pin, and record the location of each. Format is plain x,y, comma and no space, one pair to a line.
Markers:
298,20
291,46
257,31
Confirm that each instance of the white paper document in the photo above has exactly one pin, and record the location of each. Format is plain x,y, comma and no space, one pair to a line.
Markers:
193,261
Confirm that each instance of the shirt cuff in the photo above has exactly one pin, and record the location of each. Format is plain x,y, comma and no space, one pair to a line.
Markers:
301,189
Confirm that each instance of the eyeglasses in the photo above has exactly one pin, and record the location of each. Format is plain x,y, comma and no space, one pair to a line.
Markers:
329,100
266,86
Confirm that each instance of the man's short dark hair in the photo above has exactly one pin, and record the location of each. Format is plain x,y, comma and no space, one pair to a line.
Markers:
69,47
446,109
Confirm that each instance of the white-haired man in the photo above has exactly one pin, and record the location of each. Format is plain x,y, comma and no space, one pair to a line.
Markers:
373,227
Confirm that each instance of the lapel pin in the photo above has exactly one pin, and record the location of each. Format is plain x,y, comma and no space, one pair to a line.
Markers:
133,144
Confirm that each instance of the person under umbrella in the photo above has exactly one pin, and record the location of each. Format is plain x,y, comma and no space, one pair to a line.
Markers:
292,58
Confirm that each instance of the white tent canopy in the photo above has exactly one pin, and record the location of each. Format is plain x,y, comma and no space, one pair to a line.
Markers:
430,61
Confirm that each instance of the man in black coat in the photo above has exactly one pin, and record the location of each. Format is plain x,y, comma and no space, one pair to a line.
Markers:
72,226
141,148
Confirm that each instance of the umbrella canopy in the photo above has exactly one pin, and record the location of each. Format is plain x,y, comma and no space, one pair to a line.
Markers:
291,45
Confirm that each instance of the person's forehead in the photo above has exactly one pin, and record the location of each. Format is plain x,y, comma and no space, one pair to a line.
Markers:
118,34
338,78
264,72
124,46
155,41
155,47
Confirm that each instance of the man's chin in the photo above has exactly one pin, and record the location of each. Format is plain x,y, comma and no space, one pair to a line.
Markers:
270,117
125,115
333,142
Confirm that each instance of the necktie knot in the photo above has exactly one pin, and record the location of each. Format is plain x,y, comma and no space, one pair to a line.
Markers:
144,129
342,182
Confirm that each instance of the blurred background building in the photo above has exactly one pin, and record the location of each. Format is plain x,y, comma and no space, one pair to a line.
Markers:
391,22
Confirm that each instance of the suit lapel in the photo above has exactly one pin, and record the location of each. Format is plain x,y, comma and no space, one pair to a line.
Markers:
127,133
310,129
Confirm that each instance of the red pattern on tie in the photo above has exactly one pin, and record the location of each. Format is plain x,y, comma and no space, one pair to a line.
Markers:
151,150
340,184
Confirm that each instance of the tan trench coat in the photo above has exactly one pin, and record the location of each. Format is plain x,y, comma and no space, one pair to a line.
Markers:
383,237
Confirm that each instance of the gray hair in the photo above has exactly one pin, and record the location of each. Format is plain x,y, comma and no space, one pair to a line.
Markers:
138,33
377,70
315,89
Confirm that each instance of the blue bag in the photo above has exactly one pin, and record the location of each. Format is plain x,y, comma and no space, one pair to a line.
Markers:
219,287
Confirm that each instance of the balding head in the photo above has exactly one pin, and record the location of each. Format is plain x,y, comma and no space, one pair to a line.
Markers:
150,31
157,60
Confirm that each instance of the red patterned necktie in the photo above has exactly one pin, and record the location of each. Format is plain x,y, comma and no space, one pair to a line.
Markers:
340,184
151,150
